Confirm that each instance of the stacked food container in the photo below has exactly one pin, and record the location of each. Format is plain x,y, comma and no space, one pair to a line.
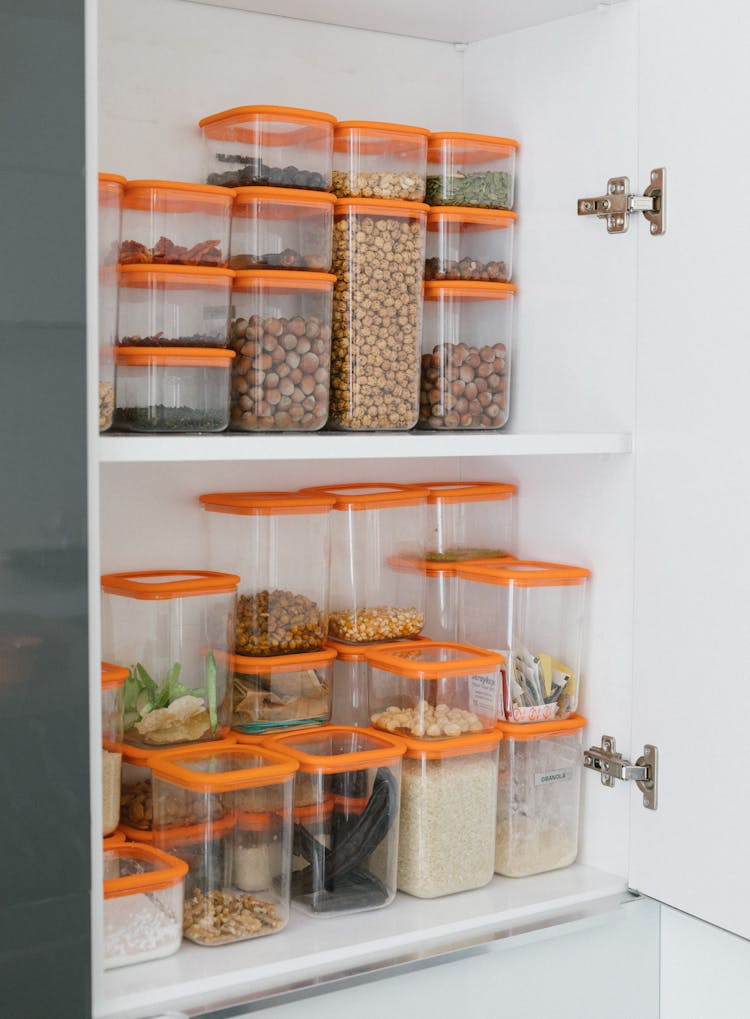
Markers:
111,188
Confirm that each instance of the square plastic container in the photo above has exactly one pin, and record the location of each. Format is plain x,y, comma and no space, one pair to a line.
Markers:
350,853
111,188
538,796
281,333
534,613
239,866
280,146
170,223
350,705
175,389
374,160
473,170
113,684
143,897
447,822
378,258
468,520
433,690
470,244
465,378
281,228
280,693
172,629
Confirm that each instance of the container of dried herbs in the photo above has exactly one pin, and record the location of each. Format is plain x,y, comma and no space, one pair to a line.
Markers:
473,170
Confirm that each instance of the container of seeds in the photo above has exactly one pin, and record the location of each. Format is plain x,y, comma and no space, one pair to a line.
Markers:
474,170
281,228
470,244
113,687
350,705
468,520
281,692
374,160
111,189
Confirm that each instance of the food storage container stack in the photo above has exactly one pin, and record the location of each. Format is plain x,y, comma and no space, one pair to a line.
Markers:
172,629
239,859
470,244
281,228
281,692
473,170
538,796
535,614
111,188
113,687
346,806
374,160
468,520
350,702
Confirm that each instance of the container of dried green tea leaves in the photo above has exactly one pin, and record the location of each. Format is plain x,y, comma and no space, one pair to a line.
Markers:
472,170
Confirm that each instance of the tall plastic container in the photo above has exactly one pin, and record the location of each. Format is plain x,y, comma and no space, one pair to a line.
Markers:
281,228
281,693
375,160
111,189
113,687
474,170
470,244
469,520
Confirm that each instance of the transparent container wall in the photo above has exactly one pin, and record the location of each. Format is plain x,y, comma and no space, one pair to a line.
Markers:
280,232
350,700
110,211
372,163
112,713
142,925
471,174
273,699
465,250
163,312
107,337
465,379
280,376
111,768
441,606
538,797
457,531
136,797
377,320
172,226
447,830
172,397
180,645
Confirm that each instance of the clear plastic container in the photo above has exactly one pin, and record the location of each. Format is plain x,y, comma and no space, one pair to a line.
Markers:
468,520
172,629
350,854
373,599
374,160
378,258
281,228
284,692
281,333
232,891
465,378
173,306
474,170
538,796
113,684
143,897
180,389
534,613
470,244
280,146
447,822
279,544
111,188
433,690
167,222
350,705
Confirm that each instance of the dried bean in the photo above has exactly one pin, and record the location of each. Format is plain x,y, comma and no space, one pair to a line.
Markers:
278,622
407,187
466,269
483,401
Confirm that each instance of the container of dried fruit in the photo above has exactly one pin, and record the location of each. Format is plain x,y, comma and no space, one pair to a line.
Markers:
282,692
172,630
280,146
469,520
350,704
372,597
374,160
278,542
378,258
281,228
111,188
538,796
349,854
113,688
175,389
474,170
534,613
447,820
238,883
470,244
143,900
281,334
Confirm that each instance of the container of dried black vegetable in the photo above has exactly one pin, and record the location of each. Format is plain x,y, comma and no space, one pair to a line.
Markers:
473,170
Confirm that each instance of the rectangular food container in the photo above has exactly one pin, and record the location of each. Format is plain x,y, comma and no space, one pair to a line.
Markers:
281,228
469,520
470,244
374,160
466,340
283,692
111,188
281,334
378,259
473,170
350,703
113,686
447,821
280,146
534,613
538,796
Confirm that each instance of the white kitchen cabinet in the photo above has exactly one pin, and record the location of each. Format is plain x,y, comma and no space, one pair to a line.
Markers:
626,441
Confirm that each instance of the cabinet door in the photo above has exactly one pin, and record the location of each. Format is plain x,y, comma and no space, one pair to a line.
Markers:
692,559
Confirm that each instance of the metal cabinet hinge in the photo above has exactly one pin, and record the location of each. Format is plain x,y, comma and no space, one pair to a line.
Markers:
612,766
618,204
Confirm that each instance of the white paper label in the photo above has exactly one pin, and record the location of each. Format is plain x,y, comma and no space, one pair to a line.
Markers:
483,695
553,777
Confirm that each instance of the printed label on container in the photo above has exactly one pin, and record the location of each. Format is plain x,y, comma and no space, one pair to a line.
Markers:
553,777
483,695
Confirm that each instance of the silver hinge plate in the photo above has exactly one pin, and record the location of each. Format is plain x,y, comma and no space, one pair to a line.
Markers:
613,766
618,204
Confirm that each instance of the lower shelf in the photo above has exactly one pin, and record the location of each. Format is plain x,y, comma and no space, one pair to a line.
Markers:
311,952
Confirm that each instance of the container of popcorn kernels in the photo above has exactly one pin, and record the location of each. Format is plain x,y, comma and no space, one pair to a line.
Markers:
473,170
282,692
281,228
374,160
470,244
468,520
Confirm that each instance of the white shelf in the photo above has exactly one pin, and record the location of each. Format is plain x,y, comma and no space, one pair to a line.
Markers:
313,951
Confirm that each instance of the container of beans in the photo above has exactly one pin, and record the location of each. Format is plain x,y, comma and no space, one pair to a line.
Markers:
470,244
373,598
349,854
350,705
280,146
239,866
378,259
534,613
282,692
465,379
172,628
113,686
279,544
468,520
111,188
281,333
281,228
374,160
474,170
538,796
447,820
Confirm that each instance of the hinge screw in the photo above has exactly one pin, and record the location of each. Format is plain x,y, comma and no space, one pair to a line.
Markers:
606,204
654,175
654,228
646,803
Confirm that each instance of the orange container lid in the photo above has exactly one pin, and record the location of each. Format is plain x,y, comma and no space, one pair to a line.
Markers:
351,804
495,219
237,767
461,660
141,757
267,504
358,652
283,281
371,495
524,573
381,207
438,568
161,871
381,127
458,746
447,492
473,147
246,665
173,196
194,834
469,290
259,820
174,277
371,137
309,813
144,835
538,730
113,676
112,178
283,198
157,585
375,749
117,838
174,357
286,114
